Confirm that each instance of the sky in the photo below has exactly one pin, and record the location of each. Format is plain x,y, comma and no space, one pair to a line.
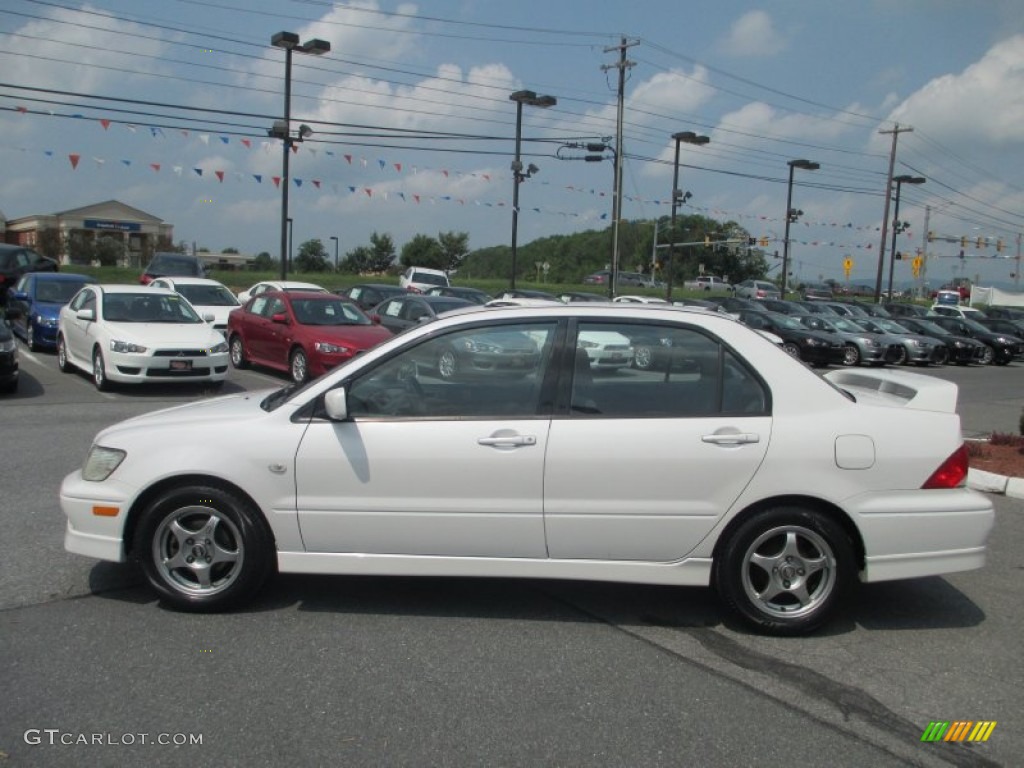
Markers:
165,105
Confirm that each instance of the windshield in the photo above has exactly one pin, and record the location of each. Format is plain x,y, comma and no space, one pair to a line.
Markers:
57,291
147,308
174,265
328,311
927,326
428,278
845,325
891,326
787,321
208,295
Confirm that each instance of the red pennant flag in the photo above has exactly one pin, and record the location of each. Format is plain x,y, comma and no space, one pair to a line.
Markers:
416,198
316,183
74,160
277,181
155,166
295,148
220,176
445,174
398,167
368,191
487,176
23,110
105,124
248,143
349,159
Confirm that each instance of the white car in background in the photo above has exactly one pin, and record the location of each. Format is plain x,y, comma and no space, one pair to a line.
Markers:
421,279
278,285
780,487
130,334
208,297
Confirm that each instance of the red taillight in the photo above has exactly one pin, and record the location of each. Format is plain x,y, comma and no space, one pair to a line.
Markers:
952,473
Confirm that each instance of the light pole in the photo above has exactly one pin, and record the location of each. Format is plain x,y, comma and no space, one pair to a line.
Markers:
291,224
283,128
335,239
533,100
897,225
687,137
792,215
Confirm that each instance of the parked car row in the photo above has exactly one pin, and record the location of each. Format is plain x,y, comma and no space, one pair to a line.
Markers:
870,334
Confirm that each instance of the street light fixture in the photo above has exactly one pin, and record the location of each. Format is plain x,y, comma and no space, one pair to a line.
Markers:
282,129
518,175
335,239
678,196
897,225
792,214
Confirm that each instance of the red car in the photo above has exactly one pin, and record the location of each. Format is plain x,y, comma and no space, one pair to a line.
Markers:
305,334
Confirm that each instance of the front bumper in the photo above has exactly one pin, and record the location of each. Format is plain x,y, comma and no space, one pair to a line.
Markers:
93,529
161,366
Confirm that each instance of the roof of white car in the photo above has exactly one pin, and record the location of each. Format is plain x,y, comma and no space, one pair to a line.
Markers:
127,288
190,281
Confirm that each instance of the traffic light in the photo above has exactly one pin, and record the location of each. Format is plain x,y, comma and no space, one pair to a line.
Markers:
764,241
931,236
1000,245
751,241
963,244
707,240
961,254
899,256
980,242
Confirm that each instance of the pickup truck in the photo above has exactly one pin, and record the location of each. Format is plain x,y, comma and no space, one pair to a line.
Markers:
707,283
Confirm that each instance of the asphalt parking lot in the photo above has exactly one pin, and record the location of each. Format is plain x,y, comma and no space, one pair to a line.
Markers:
391,671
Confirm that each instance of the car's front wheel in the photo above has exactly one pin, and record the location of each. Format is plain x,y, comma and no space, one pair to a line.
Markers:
63,363
99,371
851,355
30,336
643,357
785,569
899,356
299,366
447,365
203,548
988,357
792,348
237,349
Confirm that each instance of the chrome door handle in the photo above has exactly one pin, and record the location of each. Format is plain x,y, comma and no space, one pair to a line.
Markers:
508,440
737,438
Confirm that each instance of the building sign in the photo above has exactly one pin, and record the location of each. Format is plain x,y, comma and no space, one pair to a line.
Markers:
112,226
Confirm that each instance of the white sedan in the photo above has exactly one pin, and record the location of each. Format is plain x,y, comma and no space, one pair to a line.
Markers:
212,300
278,285
779,486
133,334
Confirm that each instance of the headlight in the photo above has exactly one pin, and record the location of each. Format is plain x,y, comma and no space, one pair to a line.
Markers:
222,347
330,349
812,342
45,322
101,462
588,344
915,343
869,342
8,346
126,346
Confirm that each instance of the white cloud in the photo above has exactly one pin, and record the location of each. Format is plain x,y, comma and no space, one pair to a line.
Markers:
753,34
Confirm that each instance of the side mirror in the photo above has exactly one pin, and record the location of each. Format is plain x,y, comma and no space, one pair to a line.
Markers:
86,314
375,319
208,317
336,404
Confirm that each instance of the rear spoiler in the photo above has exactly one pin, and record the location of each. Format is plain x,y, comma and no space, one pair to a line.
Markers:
897,388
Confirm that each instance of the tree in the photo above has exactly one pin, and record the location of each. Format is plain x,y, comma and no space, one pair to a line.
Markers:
109,251
229,250
382,252
48,243
357,261
81,247
263,262
423,251
312,257
454,248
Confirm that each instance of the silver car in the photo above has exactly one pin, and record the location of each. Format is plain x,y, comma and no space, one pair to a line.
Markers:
918,348
862,347
757,289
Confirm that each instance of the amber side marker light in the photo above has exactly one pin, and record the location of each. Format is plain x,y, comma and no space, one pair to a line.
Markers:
105,511
952,473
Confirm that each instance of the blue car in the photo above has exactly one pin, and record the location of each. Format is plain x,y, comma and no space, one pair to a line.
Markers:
35,301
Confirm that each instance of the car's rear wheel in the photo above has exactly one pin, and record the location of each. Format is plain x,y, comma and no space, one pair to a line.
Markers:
792,348
785,569
299,366
63,363
447,365
238,358
851,355
203,548
99,371
643,357
30,336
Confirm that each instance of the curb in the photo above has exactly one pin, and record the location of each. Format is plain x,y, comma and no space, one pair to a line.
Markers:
990,482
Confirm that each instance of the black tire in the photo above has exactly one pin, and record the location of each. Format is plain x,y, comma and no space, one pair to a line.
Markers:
99,371
941,356
643,358
237,353
63,364
298,366
30,337
203,548
989,356
812,565
793,349
900,356
851,355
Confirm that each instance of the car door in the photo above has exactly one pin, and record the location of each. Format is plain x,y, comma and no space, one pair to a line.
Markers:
646,462
431,466
391,314
79,333
277,336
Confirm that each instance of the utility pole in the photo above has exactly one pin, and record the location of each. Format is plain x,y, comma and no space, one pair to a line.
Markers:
622,65
1016,271
896,131
923,279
